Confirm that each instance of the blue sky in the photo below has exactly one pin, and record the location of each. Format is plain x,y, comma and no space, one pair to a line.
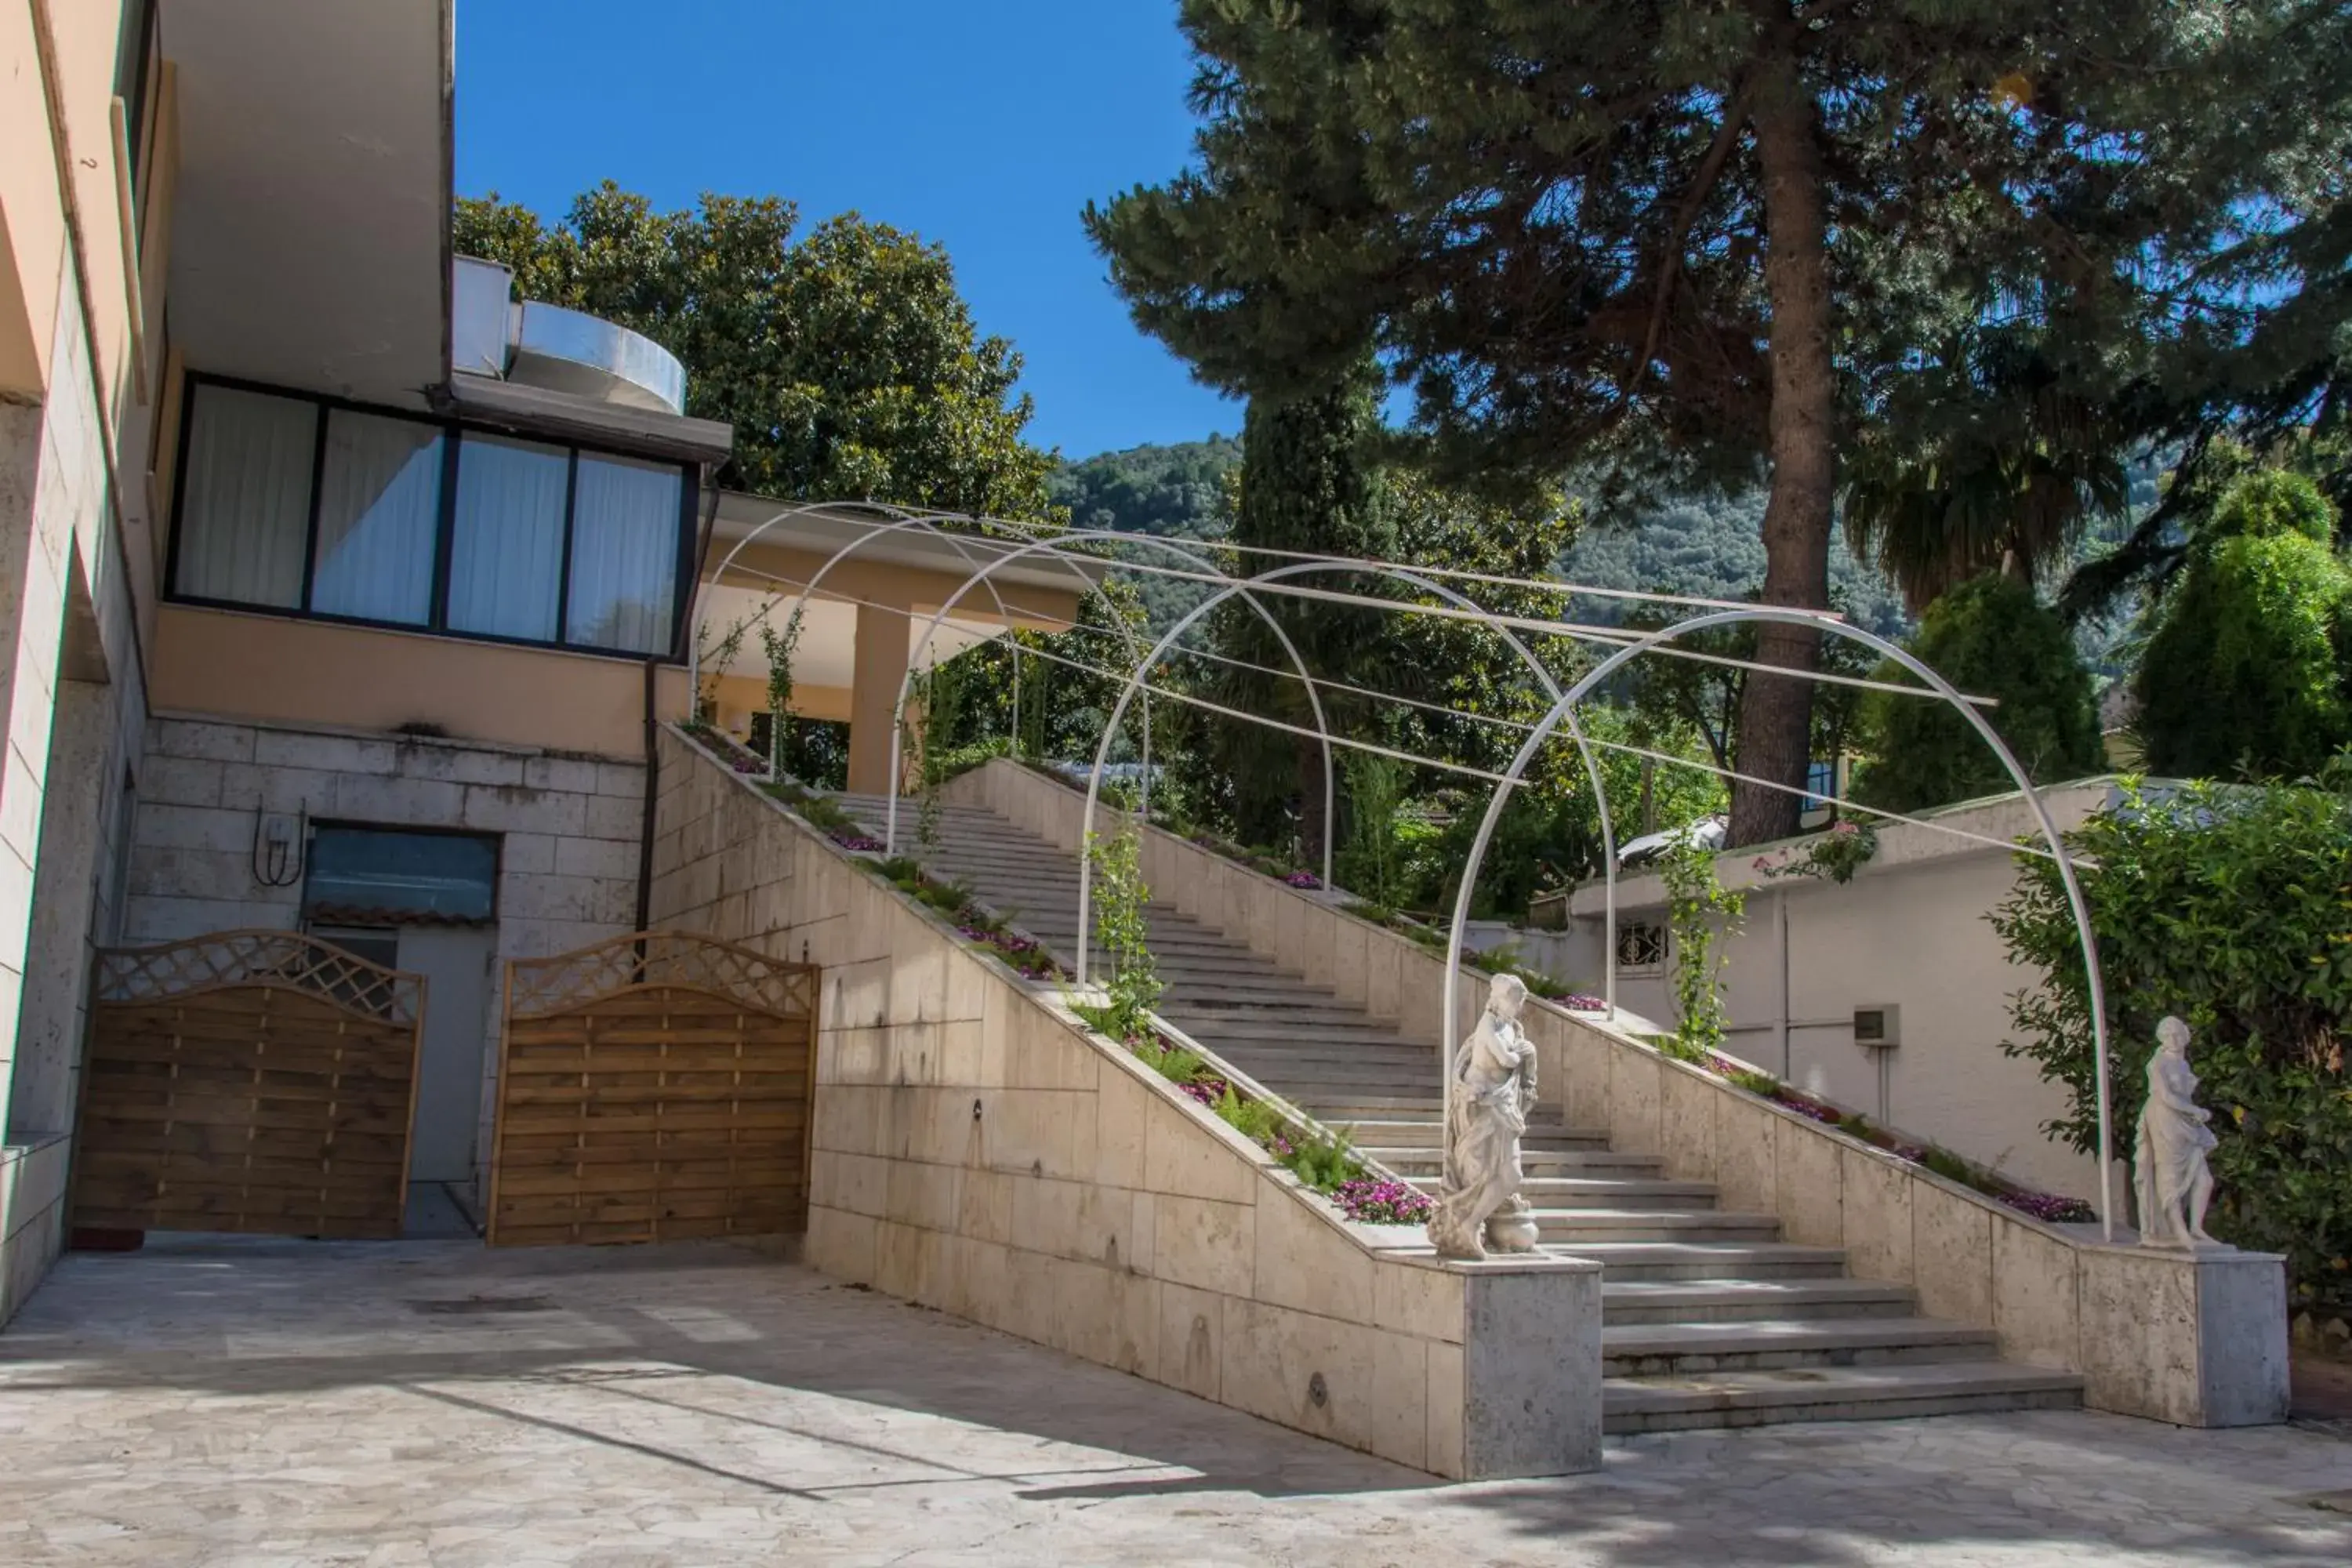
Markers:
984,126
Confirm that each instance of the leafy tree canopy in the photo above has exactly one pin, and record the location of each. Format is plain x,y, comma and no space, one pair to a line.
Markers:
847,363
1991,638
1683,237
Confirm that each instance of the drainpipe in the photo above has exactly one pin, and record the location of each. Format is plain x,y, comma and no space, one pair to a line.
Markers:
653,794
678,640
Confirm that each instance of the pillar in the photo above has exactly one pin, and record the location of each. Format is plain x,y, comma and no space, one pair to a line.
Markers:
879,672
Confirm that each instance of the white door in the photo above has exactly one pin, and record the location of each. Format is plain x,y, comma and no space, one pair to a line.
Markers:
456,961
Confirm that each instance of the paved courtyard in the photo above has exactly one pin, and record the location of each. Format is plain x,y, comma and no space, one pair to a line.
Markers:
259,1403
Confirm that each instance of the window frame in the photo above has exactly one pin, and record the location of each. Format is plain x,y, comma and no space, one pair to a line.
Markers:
454,432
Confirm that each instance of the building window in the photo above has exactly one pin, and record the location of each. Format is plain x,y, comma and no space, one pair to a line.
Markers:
379,512
1641,945
623,562
245,508
506,560
295,504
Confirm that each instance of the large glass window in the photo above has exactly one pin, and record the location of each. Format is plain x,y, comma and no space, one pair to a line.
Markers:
506,552
625,521
290,504
245,510
379,512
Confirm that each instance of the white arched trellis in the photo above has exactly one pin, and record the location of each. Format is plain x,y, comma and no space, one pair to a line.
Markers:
1397,574
902,520
1055,546
1564,711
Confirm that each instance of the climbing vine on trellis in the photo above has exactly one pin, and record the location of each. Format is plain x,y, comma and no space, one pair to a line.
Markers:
1123,932
1695,898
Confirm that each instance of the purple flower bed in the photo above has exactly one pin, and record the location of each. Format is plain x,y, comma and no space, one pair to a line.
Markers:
1207,1091
1577,1002
1023,953
849,839
1303,880
1371,1201
2047,1206
2050,1207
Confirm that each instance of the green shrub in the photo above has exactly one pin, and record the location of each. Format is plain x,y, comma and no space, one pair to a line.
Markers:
2226,907
2270,503
1989,638
2244,670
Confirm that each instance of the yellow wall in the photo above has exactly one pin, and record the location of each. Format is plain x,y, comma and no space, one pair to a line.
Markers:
269,668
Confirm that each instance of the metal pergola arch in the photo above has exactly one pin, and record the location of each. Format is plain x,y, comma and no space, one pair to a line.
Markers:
1053,545
903,519
1535,666
1564,709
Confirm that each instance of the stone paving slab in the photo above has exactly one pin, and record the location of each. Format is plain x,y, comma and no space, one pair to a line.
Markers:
270,1404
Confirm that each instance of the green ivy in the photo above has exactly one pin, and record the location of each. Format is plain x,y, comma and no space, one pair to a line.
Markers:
1693,895
2231,908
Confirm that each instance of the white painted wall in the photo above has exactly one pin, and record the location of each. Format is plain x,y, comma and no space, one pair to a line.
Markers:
1909,930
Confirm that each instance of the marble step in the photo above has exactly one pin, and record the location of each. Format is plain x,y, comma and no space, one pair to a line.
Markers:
1715,1261
1298,1012
1749,1300
1343,1044
1573,1227
1681,1350
1599,1192
1423,1161
1831,1393
1378,1133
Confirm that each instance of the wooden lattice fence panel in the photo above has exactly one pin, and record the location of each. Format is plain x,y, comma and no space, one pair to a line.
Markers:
249,1081
652,1088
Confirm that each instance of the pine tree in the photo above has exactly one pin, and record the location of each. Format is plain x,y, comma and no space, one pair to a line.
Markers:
1696,240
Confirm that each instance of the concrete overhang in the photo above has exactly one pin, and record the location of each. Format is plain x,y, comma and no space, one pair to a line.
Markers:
310,228
565,416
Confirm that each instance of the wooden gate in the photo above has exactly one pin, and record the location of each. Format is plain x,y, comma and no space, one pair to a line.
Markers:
250,1080
652,1088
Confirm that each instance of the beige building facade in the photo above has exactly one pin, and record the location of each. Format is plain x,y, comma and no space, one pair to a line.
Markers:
341,590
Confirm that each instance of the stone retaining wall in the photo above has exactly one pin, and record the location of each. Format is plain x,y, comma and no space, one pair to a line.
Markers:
978,1150
2196,1340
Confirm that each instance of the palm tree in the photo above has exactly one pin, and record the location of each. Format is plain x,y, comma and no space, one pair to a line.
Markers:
2007,486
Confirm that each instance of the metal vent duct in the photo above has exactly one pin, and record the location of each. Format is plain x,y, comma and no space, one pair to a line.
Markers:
547,346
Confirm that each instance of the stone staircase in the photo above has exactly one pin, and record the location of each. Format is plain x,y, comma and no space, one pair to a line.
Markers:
1709,1318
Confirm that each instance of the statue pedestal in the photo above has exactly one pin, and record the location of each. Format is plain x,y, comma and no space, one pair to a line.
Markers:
2196,1336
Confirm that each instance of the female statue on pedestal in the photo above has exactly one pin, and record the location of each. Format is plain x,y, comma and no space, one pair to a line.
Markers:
1494,1087
2168,1174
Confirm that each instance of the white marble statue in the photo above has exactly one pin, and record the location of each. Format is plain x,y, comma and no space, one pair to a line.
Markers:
2168,1174
1494,1087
